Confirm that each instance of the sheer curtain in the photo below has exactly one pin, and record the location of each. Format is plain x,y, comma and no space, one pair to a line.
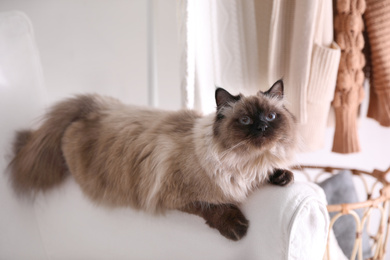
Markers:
219,48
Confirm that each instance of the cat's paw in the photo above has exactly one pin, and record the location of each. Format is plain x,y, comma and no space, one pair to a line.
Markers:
281,177
231,222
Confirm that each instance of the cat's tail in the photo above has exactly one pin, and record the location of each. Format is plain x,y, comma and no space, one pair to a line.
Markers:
38,163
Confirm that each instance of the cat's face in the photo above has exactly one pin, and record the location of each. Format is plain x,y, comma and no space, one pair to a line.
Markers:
253,122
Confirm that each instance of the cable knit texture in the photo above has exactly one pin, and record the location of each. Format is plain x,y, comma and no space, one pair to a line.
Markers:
377,20
349,88
322,82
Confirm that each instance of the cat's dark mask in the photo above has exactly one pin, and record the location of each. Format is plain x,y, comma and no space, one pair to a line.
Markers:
256,120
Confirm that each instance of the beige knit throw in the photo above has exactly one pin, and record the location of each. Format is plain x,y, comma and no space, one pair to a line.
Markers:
377,20
349,87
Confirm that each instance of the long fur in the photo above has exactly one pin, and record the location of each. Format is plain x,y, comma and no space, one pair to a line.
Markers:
38,163
152,159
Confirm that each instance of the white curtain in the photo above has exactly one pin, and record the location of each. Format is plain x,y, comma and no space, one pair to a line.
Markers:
219,49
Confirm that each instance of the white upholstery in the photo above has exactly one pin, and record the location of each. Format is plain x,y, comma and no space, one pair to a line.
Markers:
285,222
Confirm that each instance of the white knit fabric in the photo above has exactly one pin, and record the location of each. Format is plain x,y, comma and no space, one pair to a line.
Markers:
302,51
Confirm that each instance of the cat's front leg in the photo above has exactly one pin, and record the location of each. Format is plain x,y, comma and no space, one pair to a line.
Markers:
227,218
281,177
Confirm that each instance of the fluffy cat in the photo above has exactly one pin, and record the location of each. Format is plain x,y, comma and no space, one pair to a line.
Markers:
156,160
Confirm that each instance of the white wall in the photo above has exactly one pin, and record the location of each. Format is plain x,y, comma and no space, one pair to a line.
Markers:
103,46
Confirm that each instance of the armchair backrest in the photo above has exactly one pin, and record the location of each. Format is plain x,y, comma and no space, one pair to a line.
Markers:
22,99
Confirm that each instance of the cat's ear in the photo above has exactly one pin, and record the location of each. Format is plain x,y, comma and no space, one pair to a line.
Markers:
222,97
277,90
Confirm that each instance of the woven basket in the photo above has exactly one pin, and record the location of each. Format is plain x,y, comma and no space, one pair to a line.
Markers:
377,189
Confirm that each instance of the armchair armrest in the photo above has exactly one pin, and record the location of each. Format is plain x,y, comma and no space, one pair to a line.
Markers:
285,223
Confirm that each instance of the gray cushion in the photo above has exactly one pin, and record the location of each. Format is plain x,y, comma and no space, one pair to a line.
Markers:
340,189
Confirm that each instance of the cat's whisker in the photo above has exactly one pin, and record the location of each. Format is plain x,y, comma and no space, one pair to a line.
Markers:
225,152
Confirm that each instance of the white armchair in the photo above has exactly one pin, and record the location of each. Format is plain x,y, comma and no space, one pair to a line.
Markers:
285,222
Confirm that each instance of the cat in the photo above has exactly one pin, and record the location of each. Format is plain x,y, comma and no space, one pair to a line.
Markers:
155,160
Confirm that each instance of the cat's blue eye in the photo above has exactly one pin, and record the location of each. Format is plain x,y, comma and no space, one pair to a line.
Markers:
270,116
246,120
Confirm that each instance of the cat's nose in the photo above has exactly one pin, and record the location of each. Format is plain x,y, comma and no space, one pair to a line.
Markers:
262,127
